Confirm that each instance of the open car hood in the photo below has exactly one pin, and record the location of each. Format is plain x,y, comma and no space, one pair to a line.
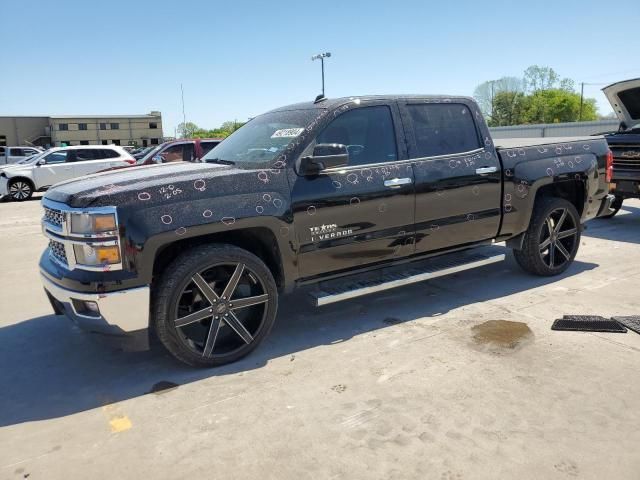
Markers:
625,100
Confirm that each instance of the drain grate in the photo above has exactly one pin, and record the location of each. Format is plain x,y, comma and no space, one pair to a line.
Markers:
587,323
632,323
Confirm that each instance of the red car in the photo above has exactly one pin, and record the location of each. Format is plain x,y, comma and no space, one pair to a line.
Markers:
185,150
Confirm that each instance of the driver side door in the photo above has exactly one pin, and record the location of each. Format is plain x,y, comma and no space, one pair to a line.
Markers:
58,166
362,213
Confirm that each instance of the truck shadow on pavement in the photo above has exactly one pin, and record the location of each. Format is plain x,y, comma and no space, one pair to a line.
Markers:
624,227
50,369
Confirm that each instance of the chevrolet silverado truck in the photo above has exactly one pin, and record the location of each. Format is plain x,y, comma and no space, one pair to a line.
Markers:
350,195
625,143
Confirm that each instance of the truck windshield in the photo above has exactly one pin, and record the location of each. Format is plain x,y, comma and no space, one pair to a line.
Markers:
259,142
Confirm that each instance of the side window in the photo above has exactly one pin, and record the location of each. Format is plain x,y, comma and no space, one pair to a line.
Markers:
2,151
16,152
82,155
56,157
367,132
109,154
442,129
173,153
207,147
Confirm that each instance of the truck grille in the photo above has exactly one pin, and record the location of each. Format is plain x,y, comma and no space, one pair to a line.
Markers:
53,216
57,251
626,157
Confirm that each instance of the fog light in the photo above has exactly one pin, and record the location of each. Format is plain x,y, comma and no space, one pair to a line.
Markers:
92,306
86,308
88,255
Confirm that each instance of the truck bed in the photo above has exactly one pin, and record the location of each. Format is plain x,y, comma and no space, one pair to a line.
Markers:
535,141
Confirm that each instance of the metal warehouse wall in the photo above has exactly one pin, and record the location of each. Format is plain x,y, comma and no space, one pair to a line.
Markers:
555,129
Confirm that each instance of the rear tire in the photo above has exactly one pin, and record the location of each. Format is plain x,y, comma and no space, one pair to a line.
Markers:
20,189
552,240
214,304
615,206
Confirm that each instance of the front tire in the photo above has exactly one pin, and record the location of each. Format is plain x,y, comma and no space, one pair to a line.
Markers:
552,240
20,190
214,305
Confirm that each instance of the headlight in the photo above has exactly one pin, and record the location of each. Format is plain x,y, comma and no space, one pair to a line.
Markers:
88,255
84,223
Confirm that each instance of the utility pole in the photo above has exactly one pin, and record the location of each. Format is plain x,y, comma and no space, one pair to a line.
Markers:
184,118
581,100
321,57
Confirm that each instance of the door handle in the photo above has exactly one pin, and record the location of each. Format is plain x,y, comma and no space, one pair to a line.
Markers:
486,170
397,182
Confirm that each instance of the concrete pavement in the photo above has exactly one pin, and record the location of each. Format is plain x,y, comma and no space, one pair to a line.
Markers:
458,378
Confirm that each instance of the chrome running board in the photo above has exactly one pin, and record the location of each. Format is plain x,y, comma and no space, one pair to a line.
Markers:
406,275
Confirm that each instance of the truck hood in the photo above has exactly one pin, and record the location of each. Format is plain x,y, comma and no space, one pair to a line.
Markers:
624,97
135,184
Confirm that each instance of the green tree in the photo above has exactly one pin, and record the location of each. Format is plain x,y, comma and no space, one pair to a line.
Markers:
185,130
541,96
508,109
557,105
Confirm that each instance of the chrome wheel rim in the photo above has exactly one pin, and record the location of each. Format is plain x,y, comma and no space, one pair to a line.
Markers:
20,190
221,310
558,238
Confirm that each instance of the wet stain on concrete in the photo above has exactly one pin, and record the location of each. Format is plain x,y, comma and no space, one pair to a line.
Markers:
163,387
502,333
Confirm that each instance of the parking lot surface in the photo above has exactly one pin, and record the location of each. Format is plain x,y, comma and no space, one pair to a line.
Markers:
456,378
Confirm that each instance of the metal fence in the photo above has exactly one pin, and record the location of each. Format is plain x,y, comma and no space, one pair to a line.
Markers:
572,129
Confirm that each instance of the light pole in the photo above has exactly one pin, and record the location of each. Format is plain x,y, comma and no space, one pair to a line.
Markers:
321,56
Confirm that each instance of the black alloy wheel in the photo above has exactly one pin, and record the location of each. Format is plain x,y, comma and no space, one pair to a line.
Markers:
216,313
558,239
552,239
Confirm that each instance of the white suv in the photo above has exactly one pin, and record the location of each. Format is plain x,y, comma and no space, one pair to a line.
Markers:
18,182
10,155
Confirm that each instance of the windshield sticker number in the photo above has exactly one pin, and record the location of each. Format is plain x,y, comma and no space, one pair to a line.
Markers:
287,133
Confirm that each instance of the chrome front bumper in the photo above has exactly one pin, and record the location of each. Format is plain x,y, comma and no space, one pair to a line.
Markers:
605,206
120,313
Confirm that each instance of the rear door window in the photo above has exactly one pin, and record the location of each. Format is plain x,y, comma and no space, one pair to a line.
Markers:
16,152
442,129
83,155
109,153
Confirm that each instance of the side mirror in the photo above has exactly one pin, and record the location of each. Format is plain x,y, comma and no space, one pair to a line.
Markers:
325,155
42,161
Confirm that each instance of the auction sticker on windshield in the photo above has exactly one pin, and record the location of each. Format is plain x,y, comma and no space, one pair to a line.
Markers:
287,133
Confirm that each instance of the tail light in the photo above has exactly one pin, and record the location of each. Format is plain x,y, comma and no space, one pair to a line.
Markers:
130,161
609,170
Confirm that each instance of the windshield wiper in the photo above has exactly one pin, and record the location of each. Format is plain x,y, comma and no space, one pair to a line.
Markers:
221,161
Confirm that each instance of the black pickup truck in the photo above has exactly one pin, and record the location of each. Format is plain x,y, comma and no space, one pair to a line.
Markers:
624,171
352,195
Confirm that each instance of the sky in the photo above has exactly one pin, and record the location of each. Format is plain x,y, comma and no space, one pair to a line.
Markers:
238,59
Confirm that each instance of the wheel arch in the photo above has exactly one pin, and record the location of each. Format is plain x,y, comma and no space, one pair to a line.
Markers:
24,179
260,241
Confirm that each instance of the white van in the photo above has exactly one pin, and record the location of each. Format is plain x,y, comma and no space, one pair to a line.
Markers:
15,154
18,182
